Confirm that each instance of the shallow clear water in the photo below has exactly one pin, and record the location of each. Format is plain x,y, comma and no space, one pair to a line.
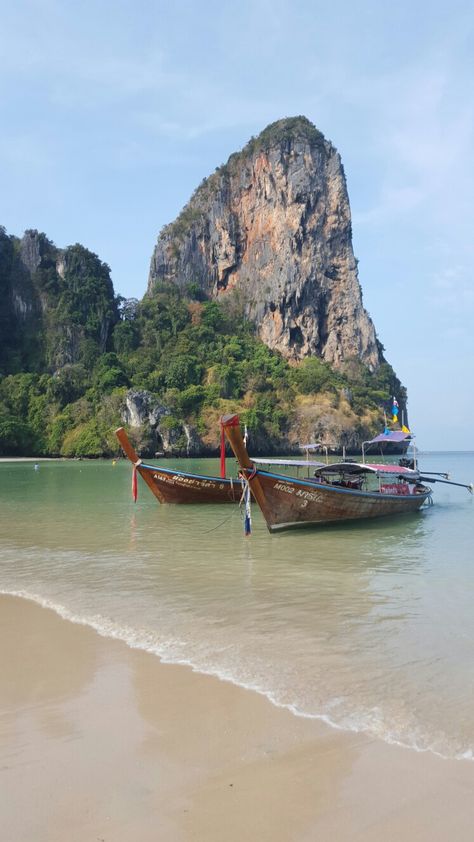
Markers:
369,626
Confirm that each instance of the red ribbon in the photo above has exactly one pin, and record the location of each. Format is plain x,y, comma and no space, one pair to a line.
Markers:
222,452
134,484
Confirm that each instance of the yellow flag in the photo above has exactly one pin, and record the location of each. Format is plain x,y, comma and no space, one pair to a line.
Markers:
405,429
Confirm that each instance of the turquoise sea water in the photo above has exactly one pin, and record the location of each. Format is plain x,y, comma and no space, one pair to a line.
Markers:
369,626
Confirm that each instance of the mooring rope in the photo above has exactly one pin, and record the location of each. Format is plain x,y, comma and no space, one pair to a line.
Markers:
206,531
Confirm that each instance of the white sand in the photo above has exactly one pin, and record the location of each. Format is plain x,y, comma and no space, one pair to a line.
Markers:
100,742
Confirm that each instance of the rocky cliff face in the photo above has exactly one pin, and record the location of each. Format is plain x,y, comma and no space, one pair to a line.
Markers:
272,228
54,303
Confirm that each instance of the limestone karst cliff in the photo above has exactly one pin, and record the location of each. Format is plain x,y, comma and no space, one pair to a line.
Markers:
253,306
273,228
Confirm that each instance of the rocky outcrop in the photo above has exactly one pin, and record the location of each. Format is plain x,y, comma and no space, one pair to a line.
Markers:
32,249
272,228
162,432
141,407
316,418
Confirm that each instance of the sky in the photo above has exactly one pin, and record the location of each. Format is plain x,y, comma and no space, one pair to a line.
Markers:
111,114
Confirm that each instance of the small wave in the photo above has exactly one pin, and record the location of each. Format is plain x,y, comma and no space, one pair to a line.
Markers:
370,722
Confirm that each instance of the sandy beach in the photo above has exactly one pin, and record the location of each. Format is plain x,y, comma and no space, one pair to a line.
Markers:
101,742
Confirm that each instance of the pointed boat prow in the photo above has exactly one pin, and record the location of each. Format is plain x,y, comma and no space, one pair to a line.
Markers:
231,426
127,446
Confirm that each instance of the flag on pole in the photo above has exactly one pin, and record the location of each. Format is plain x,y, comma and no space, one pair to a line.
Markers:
394,411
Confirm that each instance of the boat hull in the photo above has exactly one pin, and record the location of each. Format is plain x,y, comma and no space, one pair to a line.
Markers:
288,503
170,486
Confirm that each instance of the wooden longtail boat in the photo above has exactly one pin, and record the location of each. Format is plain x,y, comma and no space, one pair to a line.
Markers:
170,486
336,492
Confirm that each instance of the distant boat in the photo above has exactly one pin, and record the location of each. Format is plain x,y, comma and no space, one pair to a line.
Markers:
337,492
170,486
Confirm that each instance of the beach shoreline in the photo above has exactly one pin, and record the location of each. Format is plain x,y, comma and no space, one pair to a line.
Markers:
32,459
100,741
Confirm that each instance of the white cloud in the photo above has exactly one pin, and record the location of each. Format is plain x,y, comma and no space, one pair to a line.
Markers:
453,292
392,202
19,149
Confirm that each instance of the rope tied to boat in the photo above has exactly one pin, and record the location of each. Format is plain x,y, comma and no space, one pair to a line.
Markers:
246,498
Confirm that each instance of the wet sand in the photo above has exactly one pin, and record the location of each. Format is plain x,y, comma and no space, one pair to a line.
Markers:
101,742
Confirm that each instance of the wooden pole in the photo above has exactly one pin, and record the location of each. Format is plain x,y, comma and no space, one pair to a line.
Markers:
132,454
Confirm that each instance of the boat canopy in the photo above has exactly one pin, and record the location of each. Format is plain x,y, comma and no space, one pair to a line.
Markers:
391,435
400,470
292,463
364,468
